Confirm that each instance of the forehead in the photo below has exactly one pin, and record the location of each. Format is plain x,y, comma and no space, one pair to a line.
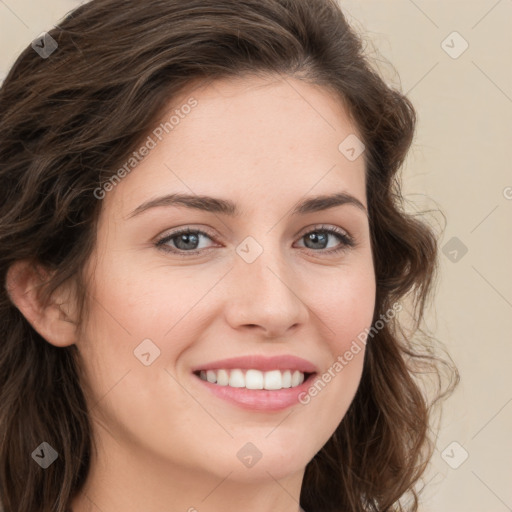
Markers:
248,138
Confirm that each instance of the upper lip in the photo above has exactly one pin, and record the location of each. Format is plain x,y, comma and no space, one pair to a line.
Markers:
262,363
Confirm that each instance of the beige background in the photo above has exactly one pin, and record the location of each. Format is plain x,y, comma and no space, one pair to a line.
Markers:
461,162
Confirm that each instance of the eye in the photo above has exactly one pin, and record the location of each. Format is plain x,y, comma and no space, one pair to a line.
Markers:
187,241
183,240
318,238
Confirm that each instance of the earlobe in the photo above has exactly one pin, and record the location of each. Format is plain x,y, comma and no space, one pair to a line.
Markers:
53,320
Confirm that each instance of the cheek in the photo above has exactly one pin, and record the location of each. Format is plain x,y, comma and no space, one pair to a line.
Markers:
147,303
345,304
128,307
127,314
345,308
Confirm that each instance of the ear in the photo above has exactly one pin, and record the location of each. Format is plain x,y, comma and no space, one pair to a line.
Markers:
55,322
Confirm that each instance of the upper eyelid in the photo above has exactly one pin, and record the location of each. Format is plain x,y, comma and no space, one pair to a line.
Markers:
176,231
327,227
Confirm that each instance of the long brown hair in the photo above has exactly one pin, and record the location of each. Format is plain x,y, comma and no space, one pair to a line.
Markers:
70,120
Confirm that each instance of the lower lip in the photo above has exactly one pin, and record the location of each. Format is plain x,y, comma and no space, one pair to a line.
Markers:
259,399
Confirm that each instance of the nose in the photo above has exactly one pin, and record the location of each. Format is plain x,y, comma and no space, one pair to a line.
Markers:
265,296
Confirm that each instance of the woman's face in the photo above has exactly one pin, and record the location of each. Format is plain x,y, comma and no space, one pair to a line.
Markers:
258,280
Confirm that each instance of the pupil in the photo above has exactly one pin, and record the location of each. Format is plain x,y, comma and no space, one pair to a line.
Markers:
187,239
315,238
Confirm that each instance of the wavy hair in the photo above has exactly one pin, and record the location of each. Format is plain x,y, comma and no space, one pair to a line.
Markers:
67,122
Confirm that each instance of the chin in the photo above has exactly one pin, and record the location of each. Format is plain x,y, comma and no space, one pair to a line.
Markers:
268,455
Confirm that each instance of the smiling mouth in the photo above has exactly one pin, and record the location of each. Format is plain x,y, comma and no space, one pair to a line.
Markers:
254,379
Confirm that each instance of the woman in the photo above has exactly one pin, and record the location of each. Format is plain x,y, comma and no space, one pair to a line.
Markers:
204,259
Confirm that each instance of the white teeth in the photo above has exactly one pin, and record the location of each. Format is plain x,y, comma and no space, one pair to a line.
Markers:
273,380
236,379
222,378
287,379
297,378
254,379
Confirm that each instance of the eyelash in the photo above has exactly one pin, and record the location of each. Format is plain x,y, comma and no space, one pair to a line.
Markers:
347,241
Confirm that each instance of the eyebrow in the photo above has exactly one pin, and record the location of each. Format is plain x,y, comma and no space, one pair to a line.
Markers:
228,207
